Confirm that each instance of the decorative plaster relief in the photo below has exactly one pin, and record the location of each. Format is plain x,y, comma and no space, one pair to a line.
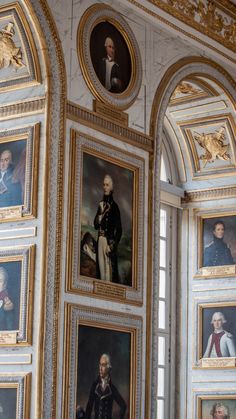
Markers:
19,64
211,145
216,19
190,90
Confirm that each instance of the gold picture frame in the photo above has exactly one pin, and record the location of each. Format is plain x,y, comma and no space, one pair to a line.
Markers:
15,395
84,275
216,254
208,404
16,295
216,346
19,150
99,24
119,338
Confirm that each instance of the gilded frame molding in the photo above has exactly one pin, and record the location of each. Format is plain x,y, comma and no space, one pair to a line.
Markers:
223,396
22,383
77,283
93,16
31,135
213,362
75,316
34,73
224,271
26,256
214,394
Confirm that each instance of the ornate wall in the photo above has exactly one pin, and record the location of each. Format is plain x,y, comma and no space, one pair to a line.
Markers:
62,130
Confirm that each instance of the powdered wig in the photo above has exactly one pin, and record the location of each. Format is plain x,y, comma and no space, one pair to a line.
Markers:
219,314
108,359
110,180
221,405
108,40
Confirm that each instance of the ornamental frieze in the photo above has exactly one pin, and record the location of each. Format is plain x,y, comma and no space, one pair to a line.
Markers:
216,19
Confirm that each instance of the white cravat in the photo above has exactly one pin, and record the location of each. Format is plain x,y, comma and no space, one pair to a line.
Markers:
109,65
2,175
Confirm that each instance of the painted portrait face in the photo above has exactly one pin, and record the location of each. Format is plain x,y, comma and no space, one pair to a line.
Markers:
219,231
103,366
107,185
110,48
217,321
5,160
219,412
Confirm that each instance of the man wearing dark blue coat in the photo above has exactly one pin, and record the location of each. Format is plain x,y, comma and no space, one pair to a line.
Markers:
109,72
108,223
218,253
10,190
103,393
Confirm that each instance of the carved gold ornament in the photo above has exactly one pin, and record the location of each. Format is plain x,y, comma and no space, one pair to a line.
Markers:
207,14
9,53
216,19
185,89
213,144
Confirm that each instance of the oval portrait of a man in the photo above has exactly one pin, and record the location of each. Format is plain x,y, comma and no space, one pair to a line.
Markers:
110,57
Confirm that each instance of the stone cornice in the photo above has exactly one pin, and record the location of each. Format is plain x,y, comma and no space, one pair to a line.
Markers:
225,192
93,120
23,108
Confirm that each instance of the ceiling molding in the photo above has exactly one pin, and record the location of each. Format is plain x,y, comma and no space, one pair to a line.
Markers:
226,37
209,194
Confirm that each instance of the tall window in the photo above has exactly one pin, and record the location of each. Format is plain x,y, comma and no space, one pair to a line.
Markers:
166,312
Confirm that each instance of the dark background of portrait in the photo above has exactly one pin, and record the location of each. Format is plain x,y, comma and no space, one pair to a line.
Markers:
207,327
97,50
207,406
8,397
92,343
230,232
14,287
94,170
18,150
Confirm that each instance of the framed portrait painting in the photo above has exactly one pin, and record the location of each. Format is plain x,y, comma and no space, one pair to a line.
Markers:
217,245
103,377
18,173
16,290
216,406
217,335
109,56
14,396
106,221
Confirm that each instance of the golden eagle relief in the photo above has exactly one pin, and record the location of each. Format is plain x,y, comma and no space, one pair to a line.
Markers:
213,144
9,53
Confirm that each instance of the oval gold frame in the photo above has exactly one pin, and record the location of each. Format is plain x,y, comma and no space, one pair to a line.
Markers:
91,18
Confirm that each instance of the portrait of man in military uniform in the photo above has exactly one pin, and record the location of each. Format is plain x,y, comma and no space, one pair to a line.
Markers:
219,241
104,365
106,247
218,331
110,57
12,173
